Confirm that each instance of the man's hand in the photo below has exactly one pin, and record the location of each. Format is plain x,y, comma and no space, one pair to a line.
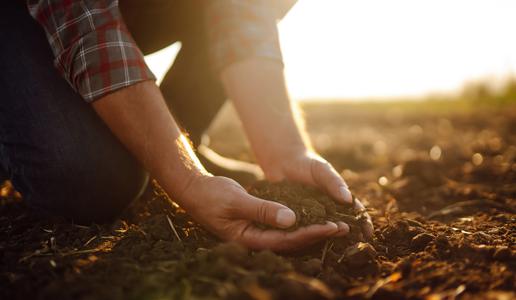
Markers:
222,206
275,130
309,168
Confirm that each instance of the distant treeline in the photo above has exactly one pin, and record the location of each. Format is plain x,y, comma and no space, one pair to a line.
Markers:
485,91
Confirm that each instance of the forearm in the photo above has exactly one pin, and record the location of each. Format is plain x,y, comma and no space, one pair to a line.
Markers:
140,119
275,129
271,121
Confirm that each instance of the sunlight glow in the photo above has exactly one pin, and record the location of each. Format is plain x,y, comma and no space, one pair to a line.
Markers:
159,62
374,48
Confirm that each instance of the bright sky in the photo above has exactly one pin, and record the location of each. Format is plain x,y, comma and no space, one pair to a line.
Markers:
377,48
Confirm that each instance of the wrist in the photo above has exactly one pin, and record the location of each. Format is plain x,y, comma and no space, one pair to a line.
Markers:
275,164
178,185
183,168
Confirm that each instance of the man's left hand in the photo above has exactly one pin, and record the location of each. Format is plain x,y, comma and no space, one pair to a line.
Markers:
309,168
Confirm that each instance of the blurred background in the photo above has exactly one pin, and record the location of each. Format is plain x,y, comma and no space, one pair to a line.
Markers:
385,83
378,50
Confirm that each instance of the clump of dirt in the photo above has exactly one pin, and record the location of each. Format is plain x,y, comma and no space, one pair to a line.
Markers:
310,205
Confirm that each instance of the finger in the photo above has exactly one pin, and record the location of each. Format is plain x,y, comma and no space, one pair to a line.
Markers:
328,179
367,228
263,211
343,229
277,240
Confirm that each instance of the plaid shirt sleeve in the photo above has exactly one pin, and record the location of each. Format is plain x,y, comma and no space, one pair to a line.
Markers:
93,49
240,29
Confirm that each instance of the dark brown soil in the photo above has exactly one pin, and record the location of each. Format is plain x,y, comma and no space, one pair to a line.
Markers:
310,205
445,225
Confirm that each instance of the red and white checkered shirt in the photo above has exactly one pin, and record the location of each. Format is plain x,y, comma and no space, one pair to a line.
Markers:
96,54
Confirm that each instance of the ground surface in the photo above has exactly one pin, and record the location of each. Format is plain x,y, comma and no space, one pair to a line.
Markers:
440,186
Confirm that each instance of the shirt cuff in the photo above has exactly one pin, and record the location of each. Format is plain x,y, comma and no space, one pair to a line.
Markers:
102,62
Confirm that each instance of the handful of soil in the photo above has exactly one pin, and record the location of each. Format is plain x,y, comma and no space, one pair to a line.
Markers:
310,205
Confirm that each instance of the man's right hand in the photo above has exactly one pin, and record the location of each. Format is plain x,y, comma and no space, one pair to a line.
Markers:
225,208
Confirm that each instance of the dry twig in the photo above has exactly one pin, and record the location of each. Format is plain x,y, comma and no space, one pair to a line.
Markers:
173,228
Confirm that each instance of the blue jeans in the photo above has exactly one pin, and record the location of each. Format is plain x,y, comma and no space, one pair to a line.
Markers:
57,152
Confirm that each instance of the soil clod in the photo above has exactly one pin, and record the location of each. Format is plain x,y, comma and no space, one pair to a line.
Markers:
310,205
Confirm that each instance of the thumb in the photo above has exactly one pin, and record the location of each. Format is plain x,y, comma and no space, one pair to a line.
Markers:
265,212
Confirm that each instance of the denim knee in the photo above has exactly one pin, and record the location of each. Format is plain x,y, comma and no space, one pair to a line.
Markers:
84,192
56,150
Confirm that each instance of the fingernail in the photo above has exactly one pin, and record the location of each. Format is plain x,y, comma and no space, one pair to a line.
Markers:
334,225
346,194
285,217
343,228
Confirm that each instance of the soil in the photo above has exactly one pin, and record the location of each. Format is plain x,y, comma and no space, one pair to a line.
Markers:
439,187
310,205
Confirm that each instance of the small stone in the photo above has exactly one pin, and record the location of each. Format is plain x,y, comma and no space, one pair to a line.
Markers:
421,240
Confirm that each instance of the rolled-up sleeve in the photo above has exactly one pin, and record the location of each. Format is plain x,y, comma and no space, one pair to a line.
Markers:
242,29
92,47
